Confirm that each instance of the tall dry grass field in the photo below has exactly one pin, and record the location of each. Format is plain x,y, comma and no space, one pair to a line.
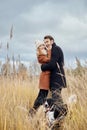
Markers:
17,96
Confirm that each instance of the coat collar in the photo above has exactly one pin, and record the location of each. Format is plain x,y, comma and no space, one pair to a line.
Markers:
53,45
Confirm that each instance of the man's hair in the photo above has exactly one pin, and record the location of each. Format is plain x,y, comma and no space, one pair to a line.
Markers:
49,37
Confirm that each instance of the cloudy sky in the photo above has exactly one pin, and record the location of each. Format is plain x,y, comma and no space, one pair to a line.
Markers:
65,20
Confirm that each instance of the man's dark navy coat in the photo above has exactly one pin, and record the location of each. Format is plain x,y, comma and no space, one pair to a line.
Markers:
56,64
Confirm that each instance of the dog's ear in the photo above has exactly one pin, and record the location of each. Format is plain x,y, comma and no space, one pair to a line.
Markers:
50,101
56,113
60,111
45,100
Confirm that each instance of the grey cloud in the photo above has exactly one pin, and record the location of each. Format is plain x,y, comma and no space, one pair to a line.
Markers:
66,21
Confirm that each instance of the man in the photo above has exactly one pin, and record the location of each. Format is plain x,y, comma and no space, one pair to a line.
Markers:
57,80
56,67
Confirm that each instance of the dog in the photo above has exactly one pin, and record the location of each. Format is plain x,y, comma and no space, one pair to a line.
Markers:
49,111
55,113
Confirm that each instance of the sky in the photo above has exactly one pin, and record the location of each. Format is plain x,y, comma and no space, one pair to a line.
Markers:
65,20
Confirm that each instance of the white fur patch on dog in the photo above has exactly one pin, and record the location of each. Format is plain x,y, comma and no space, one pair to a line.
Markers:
50,116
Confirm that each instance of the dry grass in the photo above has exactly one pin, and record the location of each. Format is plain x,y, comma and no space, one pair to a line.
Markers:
16,97
76,119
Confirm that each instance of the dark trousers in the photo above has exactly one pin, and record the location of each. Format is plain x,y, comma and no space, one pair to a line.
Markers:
60,108
40,98
42,95
56,96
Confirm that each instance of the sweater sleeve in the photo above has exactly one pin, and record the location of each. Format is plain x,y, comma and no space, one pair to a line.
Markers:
44,58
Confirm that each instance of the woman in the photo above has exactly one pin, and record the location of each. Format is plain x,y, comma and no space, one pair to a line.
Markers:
43,56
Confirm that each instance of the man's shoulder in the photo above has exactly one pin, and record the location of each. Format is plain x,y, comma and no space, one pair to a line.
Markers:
58,48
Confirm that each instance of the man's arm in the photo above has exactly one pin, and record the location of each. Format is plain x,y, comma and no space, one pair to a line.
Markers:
54,60
49,66
52,63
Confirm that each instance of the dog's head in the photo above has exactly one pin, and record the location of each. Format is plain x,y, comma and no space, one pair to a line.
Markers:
48,104
48,109
60,110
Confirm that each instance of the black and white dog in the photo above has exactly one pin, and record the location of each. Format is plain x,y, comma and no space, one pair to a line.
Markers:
57,113
54,113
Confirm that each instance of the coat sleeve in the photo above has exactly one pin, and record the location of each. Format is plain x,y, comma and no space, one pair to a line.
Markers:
49,66
52,63
57,54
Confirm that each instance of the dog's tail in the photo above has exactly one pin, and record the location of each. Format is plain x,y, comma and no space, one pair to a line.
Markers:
72,99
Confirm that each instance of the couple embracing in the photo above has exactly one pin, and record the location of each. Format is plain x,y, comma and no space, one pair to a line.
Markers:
52,77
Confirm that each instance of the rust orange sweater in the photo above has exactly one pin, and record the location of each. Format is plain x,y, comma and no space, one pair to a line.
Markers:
44,81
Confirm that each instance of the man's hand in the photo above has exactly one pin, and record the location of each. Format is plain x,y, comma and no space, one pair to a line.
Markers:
48,47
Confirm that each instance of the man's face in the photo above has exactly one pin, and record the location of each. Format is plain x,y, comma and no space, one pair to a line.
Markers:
48,42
